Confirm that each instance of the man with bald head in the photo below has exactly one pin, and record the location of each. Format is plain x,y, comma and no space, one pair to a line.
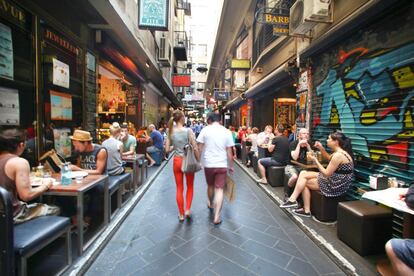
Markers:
157,142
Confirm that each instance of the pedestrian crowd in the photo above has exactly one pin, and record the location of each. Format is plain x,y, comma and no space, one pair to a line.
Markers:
215,147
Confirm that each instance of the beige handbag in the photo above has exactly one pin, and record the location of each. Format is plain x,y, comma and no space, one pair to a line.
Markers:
190,163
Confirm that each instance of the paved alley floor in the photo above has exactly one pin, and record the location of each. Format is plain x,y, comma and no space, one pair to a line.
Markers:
255,238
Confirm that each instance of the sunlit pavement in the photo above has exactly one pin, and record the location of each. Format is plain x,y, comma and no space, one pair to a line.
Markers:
255,238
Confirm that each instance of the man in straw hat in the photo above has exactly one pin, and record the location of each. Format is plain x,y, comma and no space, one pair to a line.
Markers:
92,157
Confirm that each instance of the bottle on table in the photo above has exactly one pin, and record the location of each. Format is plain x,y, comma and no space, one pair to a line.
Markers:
66,175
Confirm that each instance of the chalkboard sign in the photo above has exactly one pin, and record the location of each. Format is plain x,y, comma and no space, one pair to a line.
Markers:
132,95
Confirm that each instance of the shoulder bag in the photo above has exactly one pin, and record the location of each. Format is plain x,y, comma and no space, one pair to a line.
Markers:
190,163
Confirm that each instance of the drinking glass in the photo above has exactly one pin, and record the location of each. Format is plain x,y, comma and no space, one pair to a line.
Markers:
78,179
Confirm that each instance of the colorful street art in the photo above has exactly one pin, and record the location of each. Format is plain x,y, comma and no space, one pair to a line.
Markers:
369,95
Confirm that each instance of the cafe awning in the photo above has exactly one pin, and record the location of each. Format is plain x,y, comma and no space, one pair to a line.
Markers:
281,74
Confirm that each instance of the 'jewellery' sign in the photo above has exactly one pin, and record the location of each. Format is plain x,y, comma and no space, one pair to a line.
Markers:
153,14
278,17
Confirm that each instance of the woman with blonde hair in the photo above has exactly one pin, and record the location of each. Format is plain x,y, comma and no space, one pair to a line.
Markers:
178,137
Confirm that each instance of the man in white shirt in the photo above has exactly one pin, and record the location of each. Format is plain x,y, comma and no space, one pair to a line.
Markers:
216,144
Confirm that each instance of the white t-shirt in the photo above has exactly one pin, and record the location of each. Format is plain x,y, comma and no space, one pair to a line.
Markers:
216,140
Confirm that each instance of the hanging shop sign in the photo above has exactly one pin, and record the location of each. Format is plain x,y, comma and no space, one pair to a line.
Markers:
240,64
278,17
61,42
181,81
153,14
221,95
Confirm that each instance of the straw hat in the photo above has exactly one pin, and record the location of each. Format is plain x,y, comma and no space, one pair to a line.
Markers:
81,135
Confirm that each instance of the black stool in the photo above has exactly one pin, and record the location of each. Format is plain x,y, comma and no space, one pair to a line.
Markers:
324,208
275,175
363,226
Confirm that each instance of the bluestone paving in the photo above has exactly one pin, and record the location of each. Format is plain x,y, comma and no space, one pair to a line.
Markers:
255,238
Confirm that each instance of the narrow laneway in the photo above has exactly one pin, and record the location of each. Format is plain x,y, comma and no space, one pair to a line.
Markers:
255,238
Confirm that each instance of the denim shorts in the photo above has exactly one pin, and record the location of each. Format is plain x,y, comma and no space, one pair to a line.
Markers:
269,161
404,249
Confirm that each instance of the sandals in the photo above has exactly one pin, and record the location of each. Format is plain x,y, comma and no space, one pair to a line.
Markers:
216,223
181,218
262,181
187,216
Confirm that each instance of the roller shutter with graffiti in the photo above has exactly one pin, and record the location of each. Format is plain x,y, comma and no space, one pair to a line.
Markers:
365,87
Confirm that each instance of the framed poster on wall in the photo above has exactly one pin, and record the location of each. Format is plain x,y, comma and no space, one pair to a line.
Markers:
61,106
284,111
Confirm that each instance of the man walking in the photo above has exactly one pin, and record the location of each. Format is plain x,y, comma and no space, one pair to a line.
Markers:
215,144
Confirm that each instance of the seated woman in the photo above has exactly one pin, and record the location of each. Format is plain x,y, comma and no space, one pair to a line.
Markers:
332,181
252,138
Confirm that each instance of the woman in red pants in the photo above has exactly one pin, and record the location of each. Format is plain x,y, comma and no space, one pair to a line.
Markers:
178,137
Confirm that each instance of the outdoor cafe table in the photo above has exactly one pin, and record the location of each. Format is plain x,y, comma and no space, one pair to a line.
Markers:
390,198
134,160
78,191
307,166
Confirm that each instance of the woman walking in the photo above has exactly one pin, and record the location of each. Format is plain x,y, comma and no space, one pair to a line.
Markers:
333,181
178,137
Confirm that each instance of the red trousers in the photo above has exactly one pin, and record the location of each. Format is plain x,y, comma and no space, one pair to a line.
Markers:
179,181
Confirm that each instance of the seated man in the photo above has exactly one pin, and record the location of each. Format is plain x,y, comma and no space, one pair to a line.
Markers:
401,251
114,148
92,159
157,141
298,148
128,140
280,153
14,177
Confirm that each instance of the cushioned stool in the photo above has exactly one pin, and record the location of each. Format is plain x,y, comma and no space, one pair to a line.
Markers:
114,186
363,226
324,208
157,156
275,175
254,163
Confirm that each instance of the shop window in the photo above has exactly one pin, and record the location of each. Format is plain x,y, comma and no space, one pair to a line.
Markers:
17,91
62,91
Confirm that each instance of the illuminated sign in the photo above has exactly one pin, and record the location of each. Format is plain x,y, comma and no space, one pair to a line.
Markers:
221,95
240,64
181,81
153,14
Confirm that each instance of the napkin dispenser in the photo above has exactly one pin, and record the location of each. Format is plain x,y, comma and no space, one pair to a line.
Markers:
378,181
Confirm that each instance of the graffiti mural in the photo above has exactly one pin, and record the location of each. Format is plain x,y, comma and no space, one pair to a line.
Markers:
369,95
